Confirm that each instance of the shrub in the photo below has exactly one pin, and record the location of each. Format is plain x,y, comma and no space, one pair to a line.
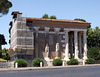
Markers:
21,63
57,62
36,62
89,61
94,53
72,62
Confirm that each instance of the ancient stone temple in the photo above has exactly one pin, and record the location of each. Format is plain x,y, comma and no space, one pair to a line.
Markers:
47,38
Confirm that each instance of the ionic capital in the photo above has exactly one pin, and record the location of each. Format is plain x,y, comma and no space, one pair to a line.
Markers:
57,29
66,30
36,28
47,28
85,31
75,31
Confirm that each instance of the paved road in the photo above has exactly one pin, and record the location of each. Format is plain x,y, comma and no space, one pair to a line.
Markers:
93,71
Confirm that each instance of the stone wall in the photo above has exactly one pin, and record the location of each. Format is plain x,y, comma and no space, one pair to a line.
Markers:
30,36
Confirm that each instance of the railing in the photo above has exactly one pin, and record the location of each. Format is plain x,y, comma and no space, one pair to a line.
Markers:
6,64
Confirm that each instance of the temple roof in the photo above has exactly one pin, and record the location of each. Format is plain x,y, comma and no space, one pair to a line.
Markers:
56,20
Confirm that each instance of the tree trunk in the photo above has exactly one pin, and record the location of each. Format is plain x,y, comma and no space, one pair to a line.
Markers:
0,47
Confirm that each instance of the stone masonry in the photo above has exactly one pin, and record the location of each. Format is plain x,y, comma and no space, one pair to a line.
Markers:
29,37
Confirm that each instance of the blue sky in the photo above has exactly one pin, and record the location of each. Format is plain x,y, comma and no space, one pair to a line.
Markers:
63,9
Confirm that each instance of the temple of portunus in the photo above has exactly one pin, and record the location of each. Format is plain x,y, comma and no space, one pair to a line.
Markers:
47,38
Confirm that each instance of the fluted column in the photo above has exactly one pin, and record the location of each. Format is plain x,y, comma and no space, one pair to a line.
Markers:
47,44
76,44
85,45
57,34
57,42
80,45
71,46
46,35
66,46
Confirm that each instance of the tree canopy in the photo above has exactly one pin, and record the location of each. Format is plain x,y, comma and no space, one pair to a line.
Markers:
80,19
2,41
94,53
53,17
4,54
45,16
4,7
93,37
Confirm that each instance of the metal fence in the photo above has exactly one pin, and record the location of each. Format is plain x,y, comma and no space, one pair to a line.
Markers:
6,65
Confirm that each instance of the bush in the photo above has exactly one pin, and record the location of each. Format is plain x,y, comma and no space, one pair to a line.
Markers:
21,63
72,62
57,62
36,62
94,53
89,61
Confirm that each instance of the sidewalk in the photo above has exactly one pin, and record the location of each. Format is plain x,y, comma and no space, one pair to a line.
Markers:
50,67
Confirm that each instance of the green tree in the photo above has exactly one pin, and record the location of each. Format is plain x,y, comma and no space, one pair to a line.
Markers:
45,16
4,54
0,53
93,37
80,19
94,53
4,7
2,41
53,17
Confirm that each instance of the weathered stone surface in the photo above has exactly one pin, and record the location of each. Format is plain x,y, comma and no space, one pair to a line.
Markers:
29,37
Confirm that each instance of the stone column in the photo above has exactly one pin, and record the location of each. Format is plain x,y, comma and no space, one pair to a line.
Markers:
80,45
46,35
36,41
47,53
76,44
57,50
47,44
66,46
85,45
57,34
57,42
71,45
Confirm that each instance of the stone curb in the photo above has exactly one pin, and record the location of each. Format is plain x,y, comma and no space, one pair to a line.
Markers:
52,67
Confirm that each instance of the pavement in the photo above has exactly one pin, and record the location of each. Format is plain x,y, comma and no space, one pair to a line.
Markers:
47,67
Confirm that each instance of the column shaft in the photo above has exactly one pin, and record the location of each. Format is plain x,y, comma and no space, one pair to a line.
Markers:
80,45
47,43
36,50
46,35
57,53
76,44
66,46
85,45
71,46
